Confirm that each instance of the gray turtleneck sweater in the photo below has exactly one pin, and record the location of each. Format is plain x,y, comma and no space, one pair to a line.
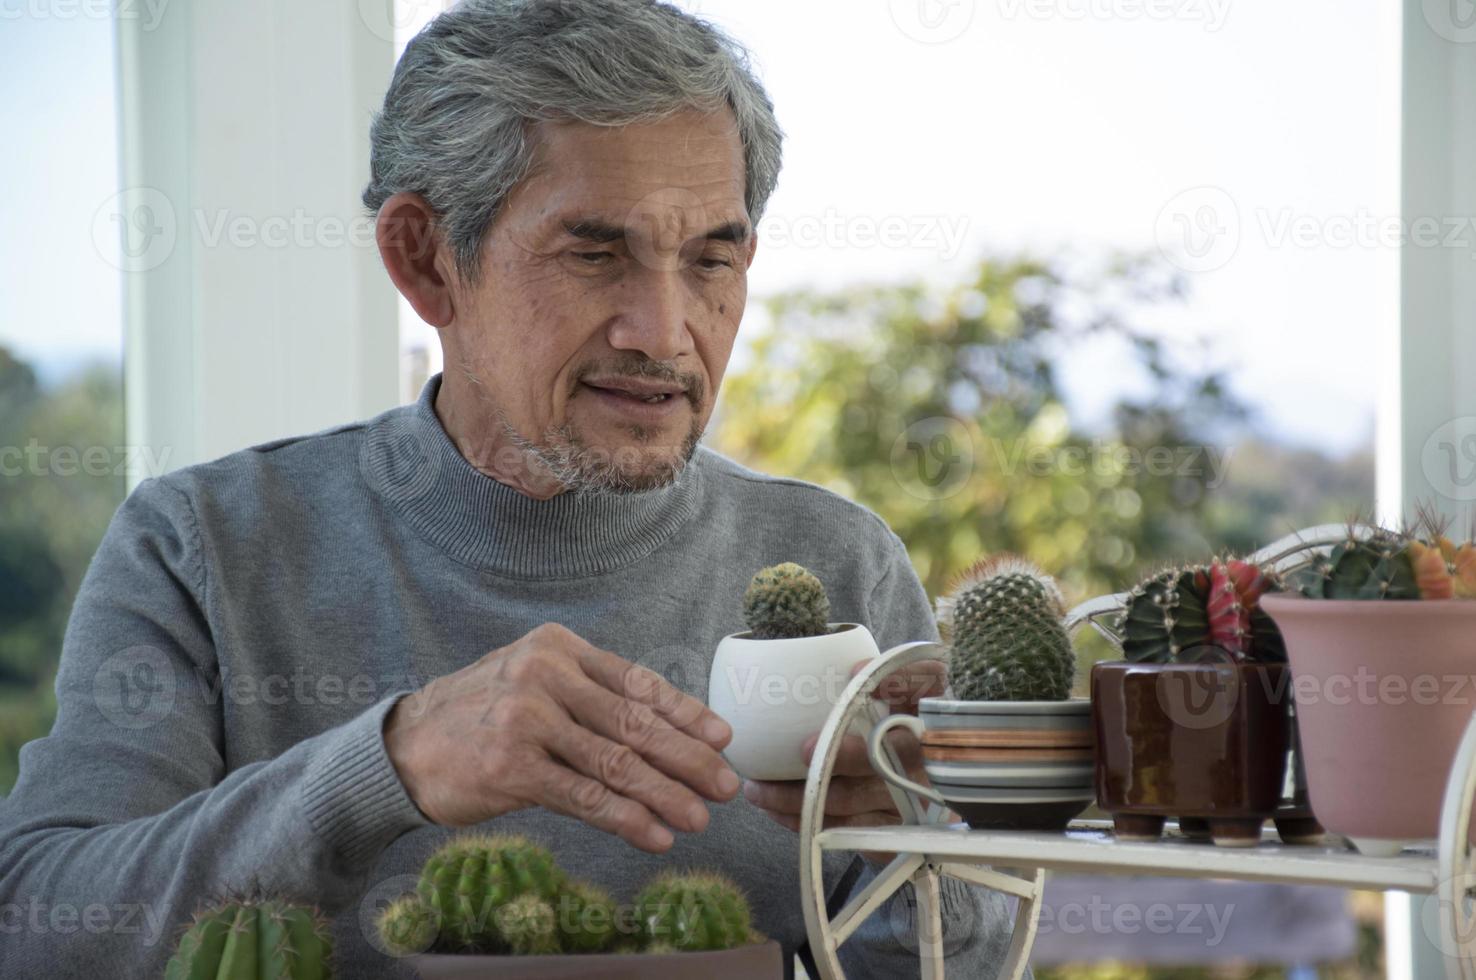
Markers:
246,624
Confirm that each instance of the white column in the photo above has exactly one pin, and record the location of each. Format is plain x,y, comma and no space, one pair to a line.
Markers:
1436,455
1427,447
255,303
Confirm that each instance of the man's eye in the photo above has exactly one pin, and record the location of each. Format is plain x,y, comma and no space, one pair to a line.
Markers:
713,264
593,258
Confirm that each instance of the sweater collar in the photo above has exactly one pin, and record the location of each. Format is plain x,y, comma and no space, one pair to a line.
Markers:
410,461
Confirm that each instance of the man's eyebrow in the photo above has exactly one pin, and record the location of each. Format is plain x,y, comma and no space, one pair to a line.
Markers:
602,232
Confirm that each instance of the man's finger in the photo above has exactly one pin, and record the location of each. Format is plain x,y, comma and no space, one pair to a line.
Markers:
565,791
623,770
649,688
845,797
637,725
853,760
910,684
880,818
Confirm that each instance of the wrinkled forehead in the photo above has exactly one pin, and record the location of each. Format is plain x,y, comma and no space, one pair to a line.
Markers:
670,181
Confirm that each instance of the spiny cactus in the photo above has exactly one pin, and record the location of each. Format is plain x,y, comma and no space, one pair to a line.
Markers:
1176,613
407,925
1393,565
1003,623
586,918
1377,567
529,926
694,912
786,601
473,876
254,939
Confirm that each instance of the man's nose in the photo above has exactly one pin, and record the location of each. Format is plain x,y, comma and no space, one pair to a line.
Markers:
655,320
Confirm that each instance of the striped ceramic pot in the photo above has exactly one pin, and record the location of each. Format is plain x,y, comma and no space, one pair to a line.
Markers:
1002,765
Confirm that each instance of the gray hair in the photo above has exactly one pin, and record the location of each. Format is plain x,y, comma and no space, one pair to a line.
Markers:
455,123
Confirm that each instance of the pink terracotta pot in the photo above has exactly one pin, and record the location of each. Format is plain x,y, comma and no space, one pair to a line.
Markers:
1384,690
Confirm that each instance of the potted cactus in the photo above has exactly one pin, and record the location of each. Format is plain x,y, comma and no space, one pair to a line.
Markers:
1379,637
1011,749
499,905
1195,721
254,938
776,682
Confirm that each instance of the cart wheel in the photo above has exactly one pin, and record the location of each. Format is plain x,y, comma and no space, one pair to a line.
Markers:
1456,920
825,934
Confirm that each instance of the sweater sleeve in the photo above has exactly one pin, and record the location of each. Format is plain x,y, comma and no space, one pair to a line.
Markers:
125,819
977,923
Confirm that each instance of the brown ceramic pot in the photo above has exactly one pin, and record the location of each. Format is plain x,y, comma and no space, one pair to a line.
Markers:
1384,691
762,961
1206,743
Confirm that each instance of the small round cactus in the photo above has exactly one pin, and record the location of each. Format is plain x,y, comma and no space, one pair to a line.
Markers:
473,876
586,918
407,925
529,926
251,939
693,912
1003,622
786,601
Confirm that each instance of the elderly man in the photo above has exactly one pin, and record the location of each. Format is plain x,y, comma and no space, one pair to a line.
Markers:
297,668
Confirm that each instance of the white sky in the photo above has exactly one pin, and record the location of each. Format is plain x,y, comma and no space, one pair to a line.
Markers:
1013,123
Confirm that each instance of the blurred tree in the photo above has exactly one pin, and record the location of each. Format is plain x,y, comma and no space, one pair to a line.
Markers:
942,411
54,507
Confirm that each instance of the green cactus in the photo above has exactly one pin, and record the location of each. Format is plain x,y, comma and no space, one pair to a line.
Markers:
1378,567
1166,615
1003,622
473,876
529,926
1177,614
786,601
407,925
586,918
693,912
254,939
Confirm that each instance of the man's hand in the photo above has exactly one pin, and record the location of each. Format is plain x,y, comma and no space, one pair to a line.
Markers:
552,721
857,796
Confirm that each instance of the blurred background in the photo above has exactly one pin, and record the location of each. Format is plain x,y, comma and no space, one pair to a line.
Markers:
1106,283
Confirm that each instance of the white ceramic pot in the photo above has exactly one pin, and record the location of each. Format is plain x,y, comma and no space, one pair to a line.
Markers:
777,693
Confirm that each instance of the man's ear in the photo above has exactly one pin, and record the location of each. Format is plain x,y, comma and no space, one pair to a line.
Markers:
415,256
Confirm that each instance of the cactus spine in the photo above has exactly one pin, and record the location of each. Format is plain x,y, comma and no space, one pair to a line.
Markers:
484,893
693,912
471,878
1175,614
586,918
407,925
251,939
1393,565
786,601
1007,641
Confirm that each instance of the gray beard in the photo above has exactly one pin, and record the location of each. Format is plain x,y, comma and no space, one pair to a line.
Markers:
586,469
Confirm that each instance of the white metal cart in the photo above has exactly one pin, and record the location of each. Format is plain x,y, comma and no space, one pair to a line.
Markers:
1015,862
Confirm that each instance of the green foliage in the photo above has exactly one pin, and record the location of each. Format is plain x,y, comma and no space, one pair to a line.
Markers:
941,410
51,520
267,939
694,912
1006,637
786,601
